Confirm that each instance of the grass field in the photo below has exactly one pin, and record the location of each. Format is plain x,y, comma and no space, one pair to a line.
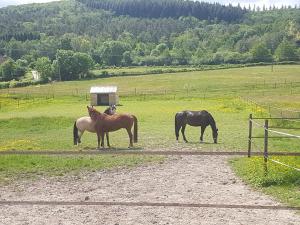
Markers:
15,167
46,113
42,117
281,182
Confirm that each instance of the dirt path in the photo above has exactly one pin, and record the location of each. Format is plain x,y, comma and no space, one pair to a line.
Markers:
188,179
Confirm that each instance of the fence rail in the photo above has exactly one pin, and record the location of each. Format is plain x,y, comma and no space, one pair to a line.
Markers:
147,204
143,152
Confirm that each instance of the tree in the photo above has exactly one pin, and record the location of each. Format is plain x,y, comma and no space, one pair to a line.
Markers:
65,65
44,66
81,44
286,51
127,60
112,52
8,70
72,66
65,43
261,53
83,62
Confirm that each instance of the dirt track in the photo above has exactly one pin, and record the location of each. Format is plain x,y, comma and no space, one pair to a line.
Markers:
188,179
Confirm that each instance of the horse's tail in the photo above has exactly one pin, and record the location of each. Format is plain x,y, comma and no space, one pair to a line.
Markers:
176,127
135,129
75,134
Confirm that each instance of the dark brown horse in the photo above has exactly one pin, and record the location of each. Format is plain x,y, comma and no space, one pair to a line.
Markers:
106,123
195,118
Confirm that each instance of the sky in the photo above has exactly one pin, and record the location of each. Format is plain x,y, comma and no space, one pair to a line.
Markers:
246,3
4,3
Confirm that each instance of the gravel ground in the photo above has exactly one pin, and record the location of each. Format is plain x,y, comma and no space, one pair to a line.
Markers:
186,179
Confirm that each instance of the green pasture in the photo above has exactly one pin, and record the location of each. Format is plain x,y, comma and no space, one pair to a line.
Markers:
248,81
42,117
280,181
33,117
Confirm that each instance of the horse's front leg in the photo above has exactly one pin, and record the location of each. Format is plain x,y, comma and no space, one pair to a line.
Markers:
202,132
107,139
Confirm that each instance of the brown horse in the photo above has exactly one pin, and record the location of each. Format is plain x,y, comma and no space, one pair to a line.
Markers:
86,123
106,123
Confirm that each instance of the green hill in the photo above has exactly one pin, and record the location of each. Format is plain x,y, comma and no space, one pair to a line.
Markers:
127,33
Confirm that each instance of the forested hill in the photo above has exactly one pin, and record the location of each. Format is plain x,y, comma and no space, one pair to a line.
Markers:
169,9
151,32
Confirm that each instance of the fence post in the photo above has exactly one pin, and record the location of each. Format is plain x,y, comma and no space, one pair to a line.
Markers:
266,147
250,135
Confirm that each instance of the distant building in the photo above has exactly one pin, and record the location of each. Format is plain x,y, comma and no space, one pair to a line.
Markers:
35,75
105,95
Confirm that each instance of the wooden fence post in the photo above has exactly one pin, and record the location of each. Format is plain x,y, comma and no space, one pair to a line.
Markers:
250,135
266,147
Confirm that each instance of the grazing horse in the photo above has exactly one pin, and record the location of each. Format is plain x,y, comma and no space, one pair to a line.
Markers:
86,123
105,123
195,118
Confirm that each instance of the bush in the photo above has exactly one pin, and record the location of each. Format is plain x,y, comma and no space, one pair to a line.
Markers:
104,73
23,83
4,85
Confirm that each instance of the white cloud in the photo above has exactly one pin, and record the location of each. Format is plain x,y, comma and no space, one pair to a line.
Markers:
4,3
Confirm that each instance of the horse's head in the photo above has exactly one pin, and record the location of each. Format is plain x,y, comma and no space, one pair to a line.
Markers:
111,110
92,112
215,136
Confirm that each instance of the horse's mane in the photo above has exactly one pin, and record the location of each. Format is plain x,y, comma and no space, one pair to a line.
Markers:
212,122
94,114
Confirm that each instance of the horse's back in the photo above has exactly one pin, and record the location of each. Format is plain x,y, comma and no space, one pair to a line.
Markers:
86,123
116,122
193,118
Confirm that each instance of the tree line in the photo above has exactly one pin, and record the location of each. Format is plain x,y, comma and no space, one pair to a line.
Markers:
71,30
169,9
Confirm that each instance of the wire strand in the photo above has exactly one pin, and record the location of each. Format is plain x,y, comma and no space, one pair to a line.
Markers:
283,164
